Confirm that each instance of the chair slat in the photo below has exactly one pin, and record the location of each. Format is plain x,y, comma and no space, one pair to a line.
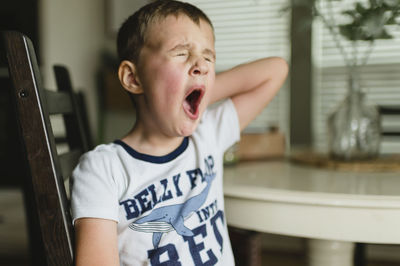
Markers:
81,137
58,102
68,161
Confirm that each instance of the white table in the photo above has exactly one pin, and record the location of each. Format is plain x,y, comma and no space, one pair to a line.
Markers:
333,209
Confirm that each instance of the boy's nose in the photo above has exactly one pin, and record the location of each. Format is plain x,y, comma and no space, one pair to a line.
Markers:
199,67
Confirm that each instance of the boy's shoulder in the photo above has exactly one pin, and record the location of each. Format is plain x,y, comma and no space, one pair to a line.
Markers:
219,125
219,111
101,153
104,148
218,107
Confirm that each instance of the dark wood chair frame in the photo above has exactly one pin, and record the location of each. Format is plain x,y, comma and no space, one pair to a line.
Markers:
46,202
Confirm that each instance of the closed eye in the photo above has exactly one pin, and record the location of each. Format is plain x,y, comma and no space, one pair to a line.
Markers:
209,59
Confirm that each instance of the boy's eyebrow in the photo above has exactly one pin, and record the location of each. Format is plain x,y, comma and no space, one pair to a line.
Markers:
180,47
210,52
187,46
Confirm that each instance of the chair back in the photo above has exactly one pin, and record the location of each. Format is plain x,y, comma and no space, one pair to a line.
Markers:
77,139
47,204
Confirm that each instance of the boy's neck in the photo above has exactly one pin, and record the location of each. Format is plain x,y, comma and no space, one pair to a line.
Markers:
150,143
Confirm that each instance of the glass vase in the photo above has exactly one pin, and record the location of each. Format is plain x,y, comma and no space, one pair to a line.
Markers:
354,127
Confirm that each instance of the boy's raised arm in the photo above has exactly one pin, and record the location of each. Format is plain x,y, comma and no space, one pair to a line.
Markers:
251,86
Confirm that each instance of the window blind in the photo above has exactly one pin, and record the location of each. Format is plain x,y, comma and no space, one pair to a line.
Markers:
380,78
246,30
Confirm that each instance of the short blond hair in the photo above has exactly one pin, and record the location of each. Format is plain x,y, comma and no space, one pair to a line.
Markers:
132,33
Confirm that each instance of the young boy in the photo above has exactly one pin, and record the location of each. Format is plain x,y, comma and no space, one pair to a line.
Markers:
155,196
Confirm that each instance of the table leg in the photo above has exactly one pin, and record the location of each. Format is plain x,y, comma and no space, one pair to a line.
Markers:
329,252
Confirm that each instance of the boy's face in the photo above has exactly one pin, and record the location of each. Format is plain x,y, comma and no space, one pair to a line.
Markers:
176,72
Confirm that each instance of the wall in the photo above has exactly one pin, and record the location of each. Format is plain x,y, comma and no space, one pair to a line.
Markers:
73,33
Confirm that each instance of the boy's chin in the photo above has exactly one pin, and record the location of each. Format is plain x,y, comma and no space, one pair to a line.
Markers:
188,130
186,133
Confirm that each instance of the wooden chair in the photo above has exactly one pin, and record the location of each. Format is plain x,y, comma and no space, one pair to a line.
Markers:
47,204
77,139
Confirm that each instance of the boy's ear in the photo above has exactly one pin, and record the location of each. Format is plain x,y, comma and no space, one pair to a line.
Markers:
128,77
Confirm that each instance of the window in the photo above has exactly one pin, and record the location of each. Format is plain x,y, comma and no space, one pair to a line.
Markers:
250,29
380,78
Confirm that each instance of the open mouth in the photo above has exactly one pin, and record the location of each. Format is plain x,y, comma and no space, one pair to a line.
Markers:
192,102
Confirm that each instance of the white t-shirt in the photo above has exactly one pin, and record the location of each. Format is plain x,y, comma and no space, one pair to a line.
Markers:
169,209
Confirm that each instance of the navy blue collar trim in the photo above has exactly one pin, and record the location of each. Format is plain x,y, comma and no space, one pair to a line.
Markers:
155,159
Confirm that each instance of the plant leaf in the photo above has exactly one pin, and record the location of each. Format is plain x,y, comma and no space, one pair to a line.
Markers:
392,3
360,8
372,25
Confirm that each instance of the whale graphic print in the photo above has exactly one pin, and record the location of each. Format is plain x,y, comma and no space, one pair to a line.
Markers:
171,218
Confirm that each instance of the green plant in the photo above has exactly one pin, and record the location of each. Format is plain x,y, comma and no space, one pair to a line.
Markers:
367,21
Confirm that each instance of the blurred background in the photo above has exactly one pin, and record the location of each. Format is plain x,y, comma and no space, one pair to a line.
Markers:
81,35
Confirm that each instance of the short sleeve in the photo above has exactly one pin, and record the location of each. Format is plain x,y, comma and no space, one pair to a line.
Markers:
225,120
94,193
